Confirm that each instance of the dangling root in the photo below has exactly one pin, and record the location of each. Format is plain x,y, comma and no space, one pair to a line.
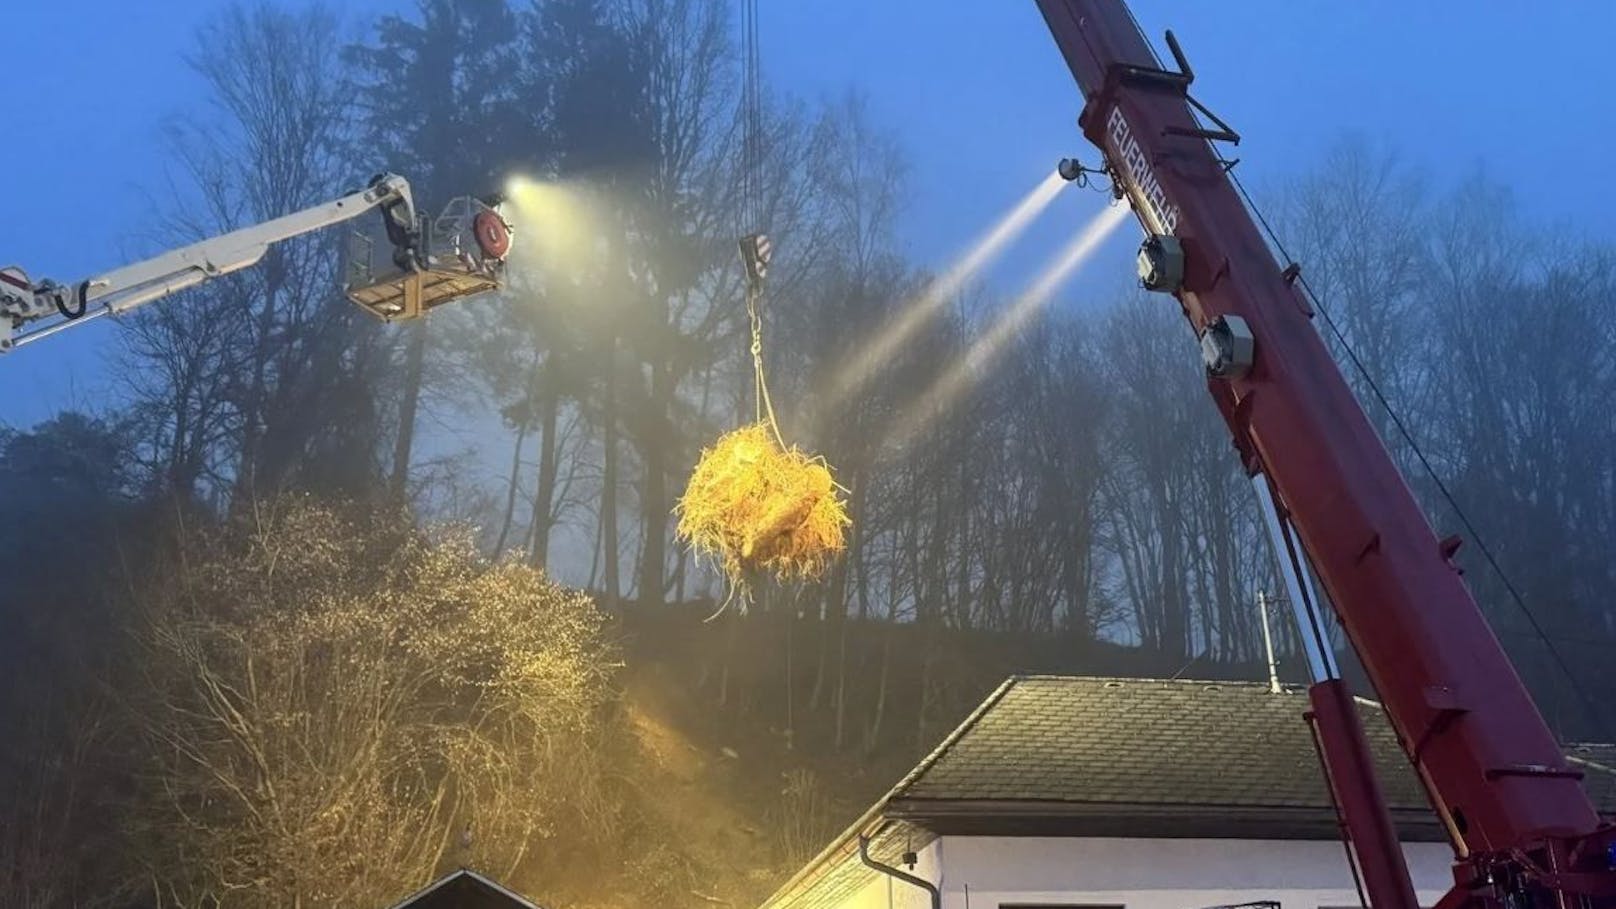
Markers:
756,507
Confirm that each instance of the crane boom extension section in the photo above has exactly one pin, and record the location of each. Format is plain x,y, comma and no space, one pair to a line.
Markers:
1522,827
460,253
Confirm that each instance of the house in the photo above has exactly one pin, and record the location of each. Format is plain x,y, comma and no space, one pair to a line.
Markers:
465,889
1128,794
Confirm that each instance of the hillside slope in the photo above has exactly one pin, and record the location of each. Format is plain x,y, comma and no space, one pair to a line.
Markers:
756,739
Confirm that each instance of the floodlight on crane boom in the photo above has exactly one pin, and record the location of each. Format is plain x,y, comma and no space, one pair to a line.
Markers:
1524,831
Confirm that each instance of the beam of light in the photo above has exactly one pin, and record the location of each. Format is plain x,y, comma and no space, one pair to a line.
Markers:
866,362
995,341
555,225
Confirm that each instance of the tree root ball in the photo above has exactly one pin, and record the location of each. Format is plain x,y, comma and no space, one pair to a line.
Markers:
755,507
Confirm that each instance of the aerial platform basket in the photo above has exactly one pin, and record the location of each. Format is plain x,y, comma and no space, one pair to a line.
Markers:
461,253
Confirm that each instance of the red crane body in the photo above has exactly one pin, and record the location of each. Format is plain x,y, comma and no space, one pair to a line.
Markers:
1519,820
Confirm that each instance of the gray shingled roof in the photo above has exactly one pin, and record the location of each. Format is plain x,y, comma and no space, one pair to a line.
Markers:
1598,764
1145,742
1099,756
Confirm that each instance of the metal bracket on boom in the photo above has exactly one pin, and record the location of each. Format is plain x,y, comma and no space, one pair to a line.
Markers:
1074,171
1179,82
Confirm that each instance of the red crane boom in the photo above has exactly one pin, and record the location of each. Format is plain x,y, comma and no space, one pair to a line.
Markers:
1523,829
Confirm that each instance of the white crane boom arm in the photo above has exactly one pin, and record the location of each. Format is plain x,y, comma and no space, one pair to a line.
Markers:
23,303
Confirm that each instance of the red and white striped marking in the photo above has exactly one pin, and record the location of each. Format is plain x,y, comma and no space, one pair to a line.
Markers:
16,277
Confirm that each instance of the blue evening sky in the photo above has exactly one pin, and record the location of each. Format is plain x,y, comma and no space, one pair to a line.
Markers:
975,88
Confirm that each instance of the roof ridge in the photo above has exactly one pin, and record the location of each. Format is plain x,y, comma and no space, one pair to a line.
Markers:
1069,677
496,885
950,740
1595,765
441,882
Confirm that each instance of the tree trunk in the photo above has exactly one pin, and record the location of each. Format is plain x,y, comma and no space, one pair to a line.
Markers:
833,615
841,686
928,658
544,493
654,554
184,468
252,427
961,596
681,573
822,659
1074,577
608,493
594,555
1174,609
510,490
729,658
414,364
872,734
654,493
791,715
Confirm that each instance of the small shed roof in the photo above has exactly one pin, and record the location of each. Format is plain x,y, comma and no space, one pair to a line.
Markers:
465,889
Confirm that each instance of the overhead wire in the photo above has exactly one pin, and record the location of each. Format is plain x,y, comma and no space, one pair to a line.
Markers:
752,118
749,215
1594,713
1515,596
752,204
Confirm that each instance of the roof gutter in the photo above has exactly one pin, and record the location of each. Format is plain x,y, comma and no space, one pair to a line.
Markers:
900,874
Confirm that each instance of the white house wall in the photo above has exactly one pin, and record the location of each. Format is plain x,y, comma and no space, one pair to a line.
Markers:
989,872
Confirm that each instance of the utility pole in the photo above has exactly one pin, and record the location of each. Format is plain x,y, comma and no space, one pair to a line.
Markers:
1268,642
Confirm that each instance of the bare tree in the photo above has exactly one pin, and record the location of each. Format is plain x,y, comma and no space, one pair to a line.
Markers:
334,708
1525,444
1358,224
259,378
438,102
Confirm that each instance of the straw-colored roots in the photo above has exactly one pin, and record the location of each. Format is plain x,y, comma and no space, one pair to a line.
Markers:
755,507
